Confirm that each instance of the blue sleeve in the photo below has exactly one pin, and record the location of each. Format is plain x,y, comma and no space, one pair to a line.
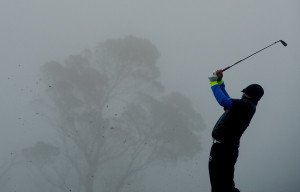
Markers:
221,95
222,85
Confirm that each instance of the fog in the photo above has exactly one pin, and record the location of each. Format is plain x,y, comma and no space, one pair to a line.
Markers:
114,96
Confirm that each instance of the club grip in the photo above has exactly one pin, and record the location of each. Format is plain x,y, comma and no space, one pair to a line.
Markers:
225,68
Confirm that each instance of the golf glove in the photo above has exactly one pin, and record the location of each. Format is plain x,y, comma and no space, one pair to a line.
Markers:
213,77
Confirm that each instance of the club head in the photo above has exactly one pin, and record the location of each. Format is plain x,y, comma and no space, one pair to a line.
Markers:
283,43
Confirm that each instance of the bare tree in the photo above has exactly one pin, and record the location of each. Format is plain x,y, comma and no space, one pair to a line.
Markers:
112,117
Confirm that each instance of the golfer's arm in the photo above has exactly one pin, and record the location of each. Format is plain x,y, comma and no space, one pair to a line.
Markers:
221,95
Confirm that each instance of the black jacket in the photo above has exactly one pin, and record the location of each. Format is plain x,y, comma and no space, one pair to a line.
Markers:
234,121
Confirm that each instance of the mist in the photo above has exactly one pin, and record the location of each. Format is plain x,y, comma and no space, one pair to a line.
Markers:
114,95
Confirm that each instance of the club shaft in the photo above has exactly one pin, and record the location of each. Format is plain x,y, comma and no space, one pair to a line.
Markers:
249,56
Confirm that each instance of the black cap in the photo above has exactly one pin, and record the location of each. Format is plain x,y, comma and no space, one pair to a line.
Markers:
254,91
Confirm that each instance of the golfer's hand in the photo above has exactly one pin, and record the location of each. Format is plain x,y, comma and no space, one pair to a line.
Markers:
219,74
213,77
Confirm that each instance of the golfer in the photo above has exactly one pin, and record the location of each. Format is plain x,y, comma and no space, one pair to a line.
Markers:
228,130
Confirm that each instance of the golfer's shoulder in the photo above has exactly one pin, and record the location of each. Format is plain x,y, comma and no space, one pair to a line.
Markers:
241,103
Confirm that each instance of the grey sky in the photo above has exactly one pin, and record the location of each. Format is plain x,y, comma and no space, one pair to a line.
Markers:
194,38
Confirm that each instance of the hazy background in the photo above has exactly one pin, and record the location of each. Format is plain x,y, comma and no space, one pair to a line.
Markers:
194,38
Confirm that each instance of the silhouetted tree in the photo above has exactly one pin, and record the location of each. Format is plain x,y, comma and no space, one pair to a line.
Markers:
159,130
43,156
113,118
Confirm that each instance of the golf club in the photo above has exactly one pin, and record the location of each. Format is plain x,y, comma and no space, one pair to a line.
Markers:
281,41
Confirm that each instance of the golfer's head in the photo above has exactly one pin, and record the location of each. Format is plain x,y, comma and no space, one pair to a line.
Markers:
253,91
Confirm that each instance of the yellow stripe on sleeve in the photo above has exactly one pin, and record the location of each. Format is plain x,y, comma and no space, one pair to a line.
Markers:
214,83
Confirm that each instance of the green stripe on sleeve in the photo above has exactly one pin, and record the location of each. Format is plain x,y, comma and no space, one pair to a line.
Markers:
214,83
